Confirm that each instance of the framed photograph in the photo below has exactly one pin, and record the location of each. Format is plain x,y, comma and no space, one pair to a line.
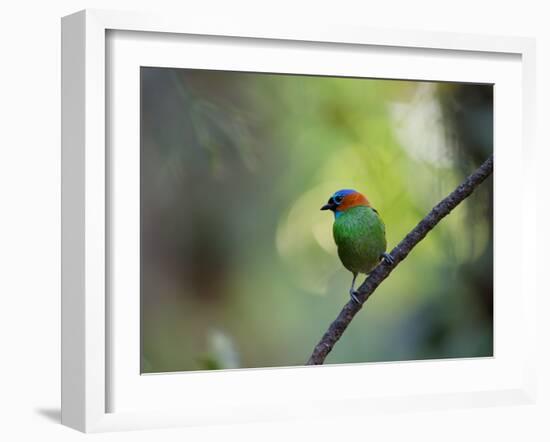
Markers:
201,282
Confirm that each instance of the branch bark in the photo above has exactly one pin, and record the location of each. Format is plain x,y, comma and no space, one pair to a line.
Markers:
399,253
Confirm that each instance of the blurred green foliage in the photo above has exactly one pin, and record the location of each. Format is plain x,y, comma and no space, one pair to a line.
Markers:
238,265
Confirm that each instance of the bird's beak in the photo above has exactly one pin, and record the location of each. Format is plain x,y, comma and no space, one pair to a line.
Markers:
327,207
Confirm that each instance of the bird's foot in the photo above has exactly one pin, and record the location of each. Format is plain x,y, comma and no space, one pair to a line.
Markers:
388,258
353,294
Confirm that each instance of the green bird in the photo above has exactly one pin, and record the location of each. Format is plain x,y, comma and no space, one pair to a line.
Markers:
359,234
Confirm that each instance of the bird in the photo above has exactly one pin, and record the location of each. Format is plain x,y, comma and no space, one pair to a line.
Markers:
359,234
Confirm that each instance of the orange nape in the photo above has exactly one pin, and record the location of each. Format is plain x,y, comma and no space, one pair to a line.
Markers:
353,200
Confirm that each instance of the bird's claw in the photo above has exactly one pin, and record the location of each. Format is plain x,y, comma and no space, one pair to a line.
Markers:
353,295
388,258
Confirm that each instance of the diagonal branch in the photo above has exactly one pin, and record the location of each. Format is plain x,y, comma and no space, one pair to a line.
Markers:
399,253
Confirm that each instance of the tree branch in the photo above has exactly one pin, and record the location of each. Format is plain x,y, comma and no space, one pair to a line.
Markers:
399,253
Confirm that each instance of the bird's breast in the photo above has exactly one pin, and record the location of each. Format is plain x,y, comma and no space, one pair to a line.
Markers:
359,234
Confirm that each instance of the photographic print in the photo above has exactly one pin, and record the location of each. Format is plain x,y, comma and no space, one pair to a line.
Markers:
267,199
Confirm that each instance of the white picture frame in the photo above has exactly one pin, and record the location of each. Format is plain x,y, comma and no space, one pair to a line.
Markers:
88,323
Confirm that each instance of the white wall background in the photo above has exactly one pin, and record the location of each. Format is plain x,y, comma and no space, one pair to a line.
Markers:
30,216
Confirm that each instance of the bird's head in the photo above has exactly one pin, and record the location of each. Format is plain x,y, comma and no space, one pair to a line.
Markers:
345,199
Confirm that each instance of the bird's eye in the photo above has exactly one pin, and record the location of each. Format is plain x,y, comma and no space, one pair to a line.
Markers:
338,199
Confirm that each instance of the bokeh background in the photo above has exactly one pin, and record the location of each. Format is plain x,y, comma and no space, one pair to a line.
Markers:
238,265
